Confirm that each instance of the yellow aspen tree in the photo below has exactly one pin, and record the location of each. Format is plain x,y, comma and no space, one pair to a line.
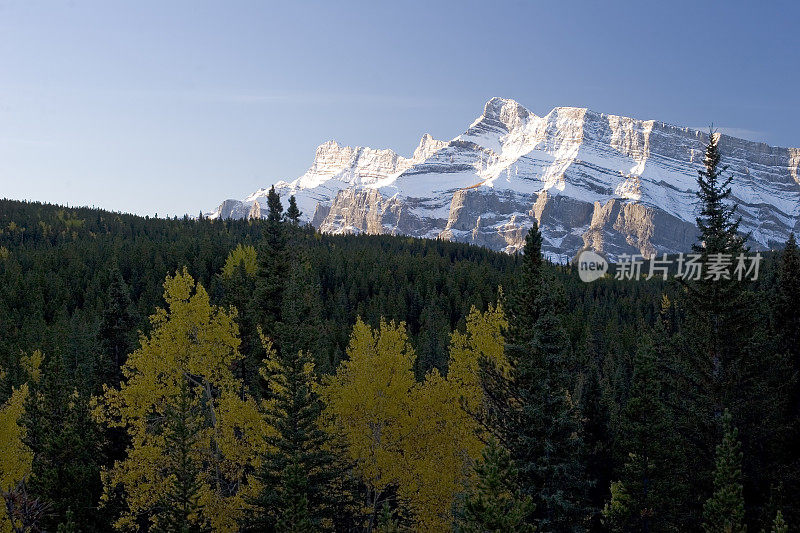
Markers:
193,345
445,440
16,458
439,450
416,438
368,401
245,255
482,341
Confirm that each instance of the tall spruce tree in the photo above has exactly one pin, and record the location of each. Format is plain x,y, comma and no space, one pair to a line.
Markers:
238,281
779,524
496,503
274,206
786,319
117,332
180,504
293,213
66,446
265,307
716,308
786,311
594,405
647,441
720,361
301,326
532,412
724,511
298,470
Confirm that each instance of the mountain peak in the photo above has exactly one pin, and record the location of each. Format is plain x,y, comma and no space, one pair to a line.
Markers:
500,116
505,111
427,147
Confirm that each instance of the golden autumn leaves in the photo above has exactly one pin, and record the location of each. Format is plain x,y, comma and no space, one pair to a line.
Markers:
196,342
415,438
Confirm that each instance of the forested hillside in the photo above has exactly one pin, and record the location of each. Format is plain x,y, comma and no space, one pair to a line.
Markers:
198,375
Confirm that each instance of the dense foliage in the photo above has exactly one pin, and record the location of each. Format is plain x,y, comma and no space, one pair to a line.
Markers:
193,375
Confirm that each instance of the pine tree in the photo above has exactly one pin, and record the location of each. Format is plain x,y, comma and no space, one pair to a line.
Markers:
648,441
238,280
68,525
65,443
292,212
716,308
595,413
787,312
274,207
779,525
724,511
786,317
713,366
294,515
267,302
298,469
719,227
180,504
533,414
117,334
497,504
301,326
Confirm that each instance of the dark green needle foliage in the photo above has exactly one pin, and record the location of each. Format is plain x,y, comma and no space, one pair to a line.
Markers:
117,329
180,503
532,411
293,213
67,450
497,504
298,472
724,511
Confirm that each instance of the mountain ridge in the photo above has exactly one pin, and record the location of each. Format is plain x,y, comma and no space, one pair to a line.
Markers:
606,182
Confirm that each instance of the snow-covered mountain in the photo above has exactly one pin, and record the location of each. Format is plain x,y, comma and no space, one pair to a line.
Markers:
605,182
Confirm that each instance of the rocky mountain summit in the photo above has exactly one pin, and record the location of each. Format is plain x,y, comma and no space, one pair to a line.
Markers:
605,182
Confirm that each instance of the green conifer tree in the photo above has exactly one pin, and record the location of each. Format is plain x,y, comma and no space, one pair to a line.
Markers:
180,503
267,302
786,310
598,440
532,412
724,511
239,287
292,212
496,504
715,364
301,326
66,445
117,332
779,525
298,470
648,442
274,206
786,317
68,525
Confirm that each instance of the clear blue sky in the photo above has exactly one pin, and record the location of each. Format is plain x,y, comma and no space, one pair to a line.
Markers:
169,107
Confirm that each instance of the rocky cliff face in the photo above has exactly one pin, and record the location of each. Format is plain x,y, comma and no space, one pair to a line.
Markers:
609,183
